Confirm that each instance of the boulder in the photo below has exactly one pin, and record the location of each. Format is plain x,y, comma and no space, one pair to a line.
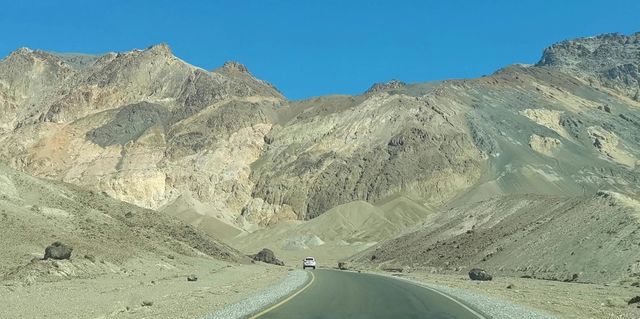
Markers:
57,251
479,274
267,256
633,300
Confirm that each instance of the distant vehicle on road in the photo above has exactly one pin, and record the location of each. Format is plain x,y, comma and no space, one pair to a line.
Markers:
309,262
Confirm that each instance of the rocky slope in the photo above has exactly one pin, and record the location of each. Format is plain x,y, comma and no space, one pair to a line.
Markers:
106,235
152,130
593,238
124,259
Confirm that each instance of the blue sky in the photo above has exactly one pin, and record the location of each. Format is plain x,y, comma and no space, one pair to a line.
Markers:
311,48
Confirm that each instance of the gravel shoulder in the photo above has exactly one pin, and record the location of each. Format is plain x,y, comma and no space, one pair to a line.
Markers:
531,298
262,299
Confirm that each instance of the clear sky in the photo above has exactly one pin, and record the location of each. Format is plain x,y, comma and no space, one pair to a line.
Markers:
311,48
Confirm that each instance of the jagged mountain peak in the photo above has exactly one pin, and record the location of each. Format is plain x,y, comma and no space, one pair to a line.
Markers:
613,59
610,47
384,86
160,47
22,51
26,53
234,66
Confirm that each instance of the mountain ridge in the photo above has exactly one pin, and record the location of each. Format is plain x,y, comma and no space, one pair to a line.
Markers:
146,127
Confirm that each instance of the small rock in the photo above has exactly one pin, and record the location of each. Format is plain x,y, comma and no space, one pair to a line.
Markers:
171,256
574,278
636,284
342,265
90,258
633,300
479,274
58,251
147,303
192,277
510,286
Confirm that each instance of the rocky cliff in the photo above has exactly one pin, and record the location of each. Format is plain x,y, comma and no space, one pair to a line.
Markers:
611,58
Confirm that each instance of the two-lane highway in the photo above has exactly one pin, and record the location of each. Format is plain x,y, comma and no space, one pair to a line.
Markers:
340,294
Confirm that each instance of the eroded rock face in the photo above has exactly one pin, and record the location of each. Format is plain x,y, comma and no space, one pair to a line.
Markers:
415,151
137,124
544,145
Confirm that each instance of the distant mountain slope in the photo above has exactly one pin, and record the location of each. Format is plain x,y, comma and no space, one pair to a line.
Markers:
147,128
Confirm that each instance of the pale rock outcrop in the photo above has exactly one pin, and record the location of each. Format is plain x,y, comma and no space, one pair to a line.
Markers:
544,145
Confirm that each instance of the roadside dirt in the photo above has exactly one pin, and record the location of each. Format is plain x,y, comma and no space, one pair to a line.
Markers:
146,289
564,300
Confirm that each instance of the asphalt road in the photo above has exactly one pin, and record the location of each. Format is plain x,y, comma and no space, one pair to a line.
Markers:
340,294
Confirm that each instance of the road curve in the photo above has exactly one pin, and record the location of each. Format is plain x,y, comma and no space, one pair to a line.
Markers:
340,294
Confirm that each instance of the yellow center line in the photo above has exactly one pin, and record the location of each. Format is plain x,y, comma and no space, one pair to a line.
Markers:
313,277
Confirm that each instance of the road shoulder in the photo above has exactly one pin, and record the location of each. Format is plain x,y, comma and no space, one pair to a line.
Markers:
552,299
265,299
481,304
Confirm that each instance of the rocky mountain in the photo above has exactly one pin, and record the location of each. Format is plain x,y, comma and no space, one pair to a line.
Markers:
140,125
152,130
610,58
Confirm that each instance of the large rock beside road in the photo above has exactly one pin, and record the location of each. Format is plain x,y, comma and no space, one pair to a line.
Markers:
479,274
267,256
58,251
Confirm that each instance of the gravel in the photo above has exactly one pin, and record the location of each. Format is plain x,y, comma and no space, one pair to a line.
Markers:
260,300
491,307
